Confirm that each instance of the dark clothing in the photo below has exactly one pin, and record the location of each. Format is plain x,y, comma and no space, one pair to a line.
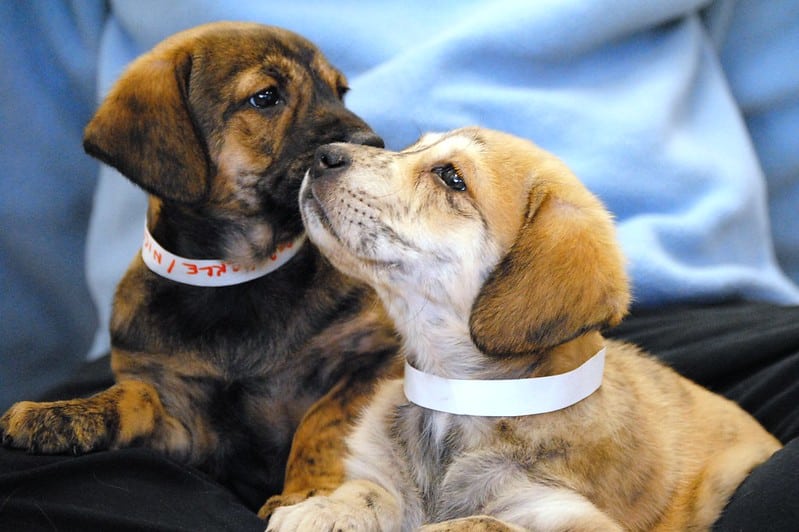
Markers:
748,352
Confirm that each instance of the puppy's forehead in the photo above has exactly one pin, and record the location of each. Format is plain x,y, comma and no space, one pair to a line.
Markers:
249,54
280,68
453,142
499,171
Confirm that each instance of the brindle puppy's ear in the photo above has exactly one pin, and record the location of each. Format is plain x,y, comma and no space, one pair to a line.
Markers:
144,129
563,276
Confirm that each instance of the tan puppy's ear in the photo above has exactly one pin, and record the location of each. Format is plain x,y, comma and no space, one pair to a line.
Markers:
563,276
145,130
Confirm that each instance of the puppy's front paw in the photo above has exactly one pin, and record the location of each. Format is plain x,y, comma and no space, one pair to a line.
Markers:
322,513
287,499
50,428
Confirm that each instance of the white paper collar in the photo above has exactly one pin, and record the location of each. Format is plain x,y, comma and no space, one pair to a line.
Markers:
504,397
210,272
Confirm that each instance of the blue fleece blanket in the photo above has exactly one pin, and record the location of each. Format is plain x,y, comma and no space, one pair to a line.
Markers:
683,116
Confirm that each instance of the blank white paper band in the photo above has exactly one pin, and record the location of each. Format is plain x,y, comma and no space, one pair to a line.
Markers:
509,397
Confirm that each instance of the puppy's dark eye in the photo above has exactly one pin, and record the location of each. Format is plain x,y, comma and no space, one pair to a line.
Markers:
342,91
449,176
266,98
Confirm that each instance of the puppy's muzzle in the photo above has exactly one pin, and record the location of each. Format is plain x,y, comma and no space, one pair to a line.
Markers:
330,161
366,137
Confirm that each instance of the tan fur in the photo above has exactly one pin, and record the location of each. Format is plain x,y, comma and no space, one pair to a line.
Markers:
513,277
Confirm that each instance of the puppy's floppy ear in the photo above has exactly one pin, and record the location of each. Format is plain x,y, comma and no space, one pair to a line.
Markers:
144,129
563,276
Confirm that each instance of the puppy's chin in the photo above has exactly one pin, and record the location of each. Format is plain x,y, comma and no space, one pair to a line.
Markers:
336,250
321,232
251,245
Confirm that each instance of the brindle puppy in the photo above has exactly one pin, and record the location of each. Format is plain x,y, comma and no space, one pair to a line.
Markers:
219,124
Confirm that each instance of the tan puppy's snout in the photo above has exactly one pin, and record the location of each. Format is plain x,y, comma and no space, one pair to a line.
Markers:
330,161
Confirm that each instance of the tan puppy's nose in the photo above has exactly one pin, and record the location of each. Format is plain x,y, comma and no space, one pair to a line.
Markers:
329,160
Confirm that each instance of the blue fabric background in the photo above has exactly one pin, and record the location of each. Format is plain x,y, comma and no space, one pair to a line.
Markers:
682,116
48,67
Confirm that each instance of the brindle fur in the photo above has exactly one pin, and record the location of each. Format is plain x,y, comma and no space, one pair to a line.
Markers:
220,377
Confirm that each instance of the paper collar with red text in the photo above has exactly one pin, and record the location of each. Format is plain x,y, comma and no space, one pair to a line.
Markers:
504,397
210,272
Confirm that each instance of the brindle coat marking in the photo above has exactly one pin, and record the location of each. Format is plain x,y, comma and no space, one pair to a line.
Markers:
219,124
511,275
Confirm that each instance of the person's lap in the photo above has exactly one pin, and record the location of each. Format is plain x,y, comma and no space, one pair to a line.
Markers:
745,351
130,489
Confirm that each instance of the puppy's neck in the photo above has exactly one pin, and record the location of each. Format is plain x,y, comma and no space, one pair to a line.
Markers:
435,336
436,340
434,327
195,233
568,355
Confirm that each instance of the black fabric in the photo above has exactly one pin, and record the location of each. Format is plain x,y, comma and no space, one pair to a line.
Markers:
748,352
126,490
768,500
91,378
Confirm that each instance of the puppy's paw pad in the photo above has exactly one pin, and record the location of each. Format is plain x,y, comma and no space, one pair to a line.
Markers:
477,523
321,513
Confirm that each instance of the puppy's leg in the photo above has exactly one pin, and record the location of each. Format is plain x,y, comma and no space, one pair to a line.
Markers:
541,507
355,505
722,476
129,412
316,461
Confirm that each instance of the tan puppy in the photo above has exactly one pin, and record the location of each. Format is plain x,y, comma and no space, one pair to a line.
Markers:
496,263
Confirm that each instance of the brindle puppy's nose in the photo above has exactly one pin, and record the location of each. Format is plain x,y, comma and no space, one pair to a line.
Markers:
330,159
367,138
